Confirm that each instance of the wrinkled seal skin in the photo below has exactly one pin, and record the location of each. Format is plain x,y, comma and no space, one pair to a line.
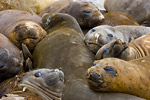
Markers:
103,34
131,7
10,59
21,27
118,18
70,54
86,13
116,75
135,49
40,84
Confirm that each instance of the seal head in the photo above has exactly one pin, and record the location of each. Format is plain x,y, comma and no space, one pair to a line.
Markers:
47,83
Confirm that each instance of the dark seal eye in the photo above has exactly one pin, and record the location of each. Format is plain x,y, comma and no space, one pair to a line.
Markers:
38,74
110,70
87,11
110,35
93,30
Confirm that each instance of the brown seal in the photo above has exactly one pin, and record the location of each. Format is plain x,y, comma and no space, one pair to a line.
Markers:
11,61
118,18
64,48
131,7
116,75
135,49
103,34
86,13
40,84
21,27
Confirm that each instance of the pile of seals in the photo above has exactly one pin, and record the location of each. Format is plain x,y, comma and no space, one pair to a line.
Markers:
74,50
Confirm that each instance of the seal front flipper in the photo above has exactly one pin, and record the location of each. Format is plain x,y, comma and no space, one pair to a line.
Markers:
112,49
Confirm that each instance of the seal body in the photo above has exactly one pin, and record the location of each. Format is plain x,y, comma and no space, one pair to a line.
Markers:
101,35
135,49
70,54
86,13
118,18
131,7
35,6
21,27
11,62
40,84
116,75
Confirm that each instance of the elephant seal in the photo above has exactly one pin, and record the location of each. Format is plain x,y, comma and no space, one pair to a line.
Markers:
103,34
135,49
70,54
21,27
34,6
118,18
86,13
131,7
40,84
117,75
11,61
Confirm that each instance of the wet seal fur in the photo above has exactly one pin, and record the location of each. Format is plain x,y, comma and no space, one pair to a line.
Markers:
21,27
103,34
131,7
116,75
86,13
40,84
135,49
11,61
70,54
118,18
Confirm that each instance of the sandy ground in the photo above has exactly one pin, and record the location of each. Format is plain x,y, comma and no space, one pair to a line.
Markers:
99,3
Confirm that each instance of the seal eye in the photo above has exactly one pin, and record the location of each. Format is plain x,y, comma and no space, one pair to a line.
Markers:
87,11
38,74
93,30
110,35
48,20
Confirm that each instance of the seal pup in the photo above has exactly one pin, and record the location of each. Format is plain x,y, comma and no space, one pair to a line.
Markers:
21,27
131,7
103,34
11,61
40,84
117,75
86,13
127,51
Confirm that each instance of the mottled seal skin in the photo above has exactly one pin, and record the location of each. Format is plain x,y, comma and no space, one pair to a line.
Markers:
86,13
21,27
135,49
70,54
117,75
11,62
118,18
103,34
131,7
40,84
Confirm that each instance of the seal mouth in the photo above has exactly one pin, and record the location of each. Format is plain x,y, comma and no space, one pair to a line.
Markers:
45,93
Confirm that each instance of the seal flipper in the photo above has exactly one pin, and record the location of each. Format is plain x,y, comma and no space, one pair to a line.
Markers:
112,49
27,58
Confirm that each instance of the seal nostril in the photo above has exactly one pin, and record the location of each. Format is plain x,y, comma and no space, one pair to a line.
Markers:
111,71
94,76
